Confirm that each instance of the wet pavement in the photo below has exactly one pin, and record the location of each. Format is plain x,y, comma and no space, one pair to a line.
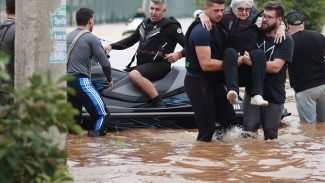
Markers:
173,155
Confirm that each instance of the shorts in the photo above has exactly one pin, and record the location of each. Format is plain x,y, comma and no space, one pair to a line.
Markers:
154,70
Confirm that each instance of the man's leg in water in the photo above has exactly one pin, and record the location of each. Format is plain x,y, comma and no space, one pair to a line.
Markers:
201,96
252,116
88,97
271,119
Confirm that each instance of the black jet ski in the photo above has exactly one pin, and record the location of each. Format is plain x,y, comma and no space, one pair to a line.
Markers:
125,100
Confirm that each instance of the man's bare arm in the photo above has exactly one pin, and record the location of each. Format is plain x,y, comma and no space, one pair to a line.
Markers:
206,62
275,65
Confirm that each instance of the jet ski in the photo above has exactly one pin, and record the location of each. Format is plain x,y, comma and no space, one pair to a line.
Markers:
124,100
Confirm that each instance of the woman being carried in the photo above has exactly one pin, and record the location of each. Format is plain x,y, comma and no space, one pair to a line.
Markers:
241,36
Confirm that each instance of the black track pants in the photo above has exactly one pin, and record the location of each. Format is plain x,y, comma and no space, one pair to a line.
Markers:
87,96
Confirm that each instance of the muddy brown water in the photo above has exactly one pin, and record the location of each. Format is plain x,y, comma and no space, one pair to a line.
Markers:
160,155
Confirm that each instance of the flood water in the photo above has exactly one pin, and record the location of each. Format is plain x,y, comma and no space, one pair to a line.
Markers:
173,154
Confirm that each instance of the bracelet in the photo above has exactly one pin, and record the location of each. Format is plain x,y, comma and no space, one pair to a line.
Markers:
179,55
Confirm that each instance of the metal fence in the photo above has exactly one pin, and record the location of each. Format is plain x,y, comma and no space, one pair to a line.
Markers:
107,11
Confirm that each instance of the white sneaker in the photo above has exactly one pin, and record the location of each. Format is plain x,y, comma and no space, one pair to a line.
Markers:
258,100
232,96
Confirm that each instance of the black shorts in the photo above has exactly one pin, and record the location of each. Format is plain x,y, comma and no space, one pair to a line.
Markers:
154,70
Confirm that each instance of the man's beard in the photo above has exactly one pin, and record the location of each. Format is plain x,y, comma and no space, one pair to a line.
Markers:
269,28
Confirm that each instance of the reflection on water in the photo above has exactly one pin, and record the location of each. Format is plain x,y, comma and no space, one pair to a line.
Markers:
160,155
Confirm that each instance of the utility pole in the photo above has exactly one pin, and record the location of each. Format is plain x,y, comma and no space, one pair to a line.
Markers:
40,44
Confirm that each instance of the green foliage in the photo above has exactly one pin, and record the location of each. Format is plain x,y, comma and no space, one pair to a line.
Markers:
312,10
26,155
4,58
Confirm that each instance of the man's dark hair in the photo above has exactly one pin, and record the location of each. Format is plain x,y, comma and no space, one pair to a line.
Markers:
10,7
276,6
210,2
83,15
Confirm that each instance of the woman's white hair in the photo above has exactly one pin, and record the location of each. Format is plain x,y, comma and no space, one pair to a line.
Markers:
235,3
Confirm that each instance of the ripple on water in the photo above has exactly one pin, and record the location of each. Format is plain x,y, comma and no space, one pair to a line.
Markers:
158,155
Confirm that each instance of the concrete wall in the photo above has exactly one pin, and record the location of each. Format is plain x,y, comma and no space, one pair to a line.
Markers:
33,45
33,42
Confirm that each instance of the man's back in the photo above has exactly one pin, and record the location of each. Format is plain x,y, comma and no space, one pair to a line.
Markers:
7,39
7,33
308,67
86,47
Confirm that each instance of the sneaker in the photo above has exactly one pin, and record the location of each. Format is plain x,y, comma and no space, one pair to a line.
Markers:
93,133
258,100
232,96
102,130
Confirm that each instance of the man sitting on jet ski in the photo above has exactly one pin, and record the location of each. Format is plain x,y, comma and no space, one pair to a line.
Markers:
157,38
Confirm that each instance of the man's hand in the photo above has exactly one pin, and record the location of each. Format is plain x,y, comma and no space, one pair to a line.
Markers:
172,57
205,20
280,34
247,59
110,84
107,49
240,60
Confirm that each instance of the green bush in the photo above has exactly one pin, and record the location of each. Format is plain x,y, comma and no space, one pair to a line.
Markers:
26,155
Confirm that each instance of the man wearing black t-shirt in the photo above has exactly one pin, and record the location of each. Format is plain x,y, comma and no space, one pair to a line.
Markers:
307,70
277,57
204,81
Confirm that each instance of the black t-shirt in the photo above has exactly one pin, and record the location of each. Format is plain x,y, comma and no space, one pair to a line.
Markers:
274,83
307,69
199,36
